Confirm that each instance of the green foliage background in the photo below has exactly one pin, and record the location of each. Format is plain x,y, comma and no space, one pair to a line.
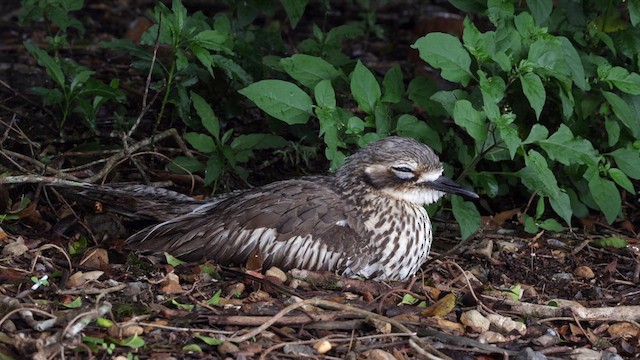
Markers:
546,103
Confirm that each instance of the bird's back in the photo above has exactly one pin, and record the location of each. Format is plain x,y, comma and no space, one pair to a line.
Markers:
302,223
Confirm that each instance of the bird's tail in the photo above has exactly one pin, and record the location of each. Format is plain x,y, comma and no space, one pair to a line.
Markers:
135,201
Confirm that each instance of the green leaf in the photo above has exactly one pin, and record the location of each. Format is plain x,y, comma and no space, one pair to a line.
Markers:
634,11
212,40
420,91
610,242
206,114
548,54
475,42
104,323
551,225
215,299
540,9
76,303
134,342
628,160
538,132
534,91
530,225
509,132
613,131
410,126
258,142
281,99
473,121
51,66
172,260
539,208
563,147
294,10
561,204
231,69
537,176
365,88
408,299
182,306
492,88
606,195
192,348
621,78
209,340
309,70
621,179
466,215
393,85
575,66
355,125
623,112
213,170
445,52
201,142
325,95
182,163
448,99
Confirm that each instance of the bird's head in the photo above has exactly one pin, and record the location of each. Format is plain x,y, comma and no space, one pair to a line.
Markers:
401,168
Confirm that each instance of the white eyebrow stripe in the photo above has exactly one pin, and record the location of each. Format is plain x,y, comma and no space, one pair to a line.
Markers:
410,164
430,176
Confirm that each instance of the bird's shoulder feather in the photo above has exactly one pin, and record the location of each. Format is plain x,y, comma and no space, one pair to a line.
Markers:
307,213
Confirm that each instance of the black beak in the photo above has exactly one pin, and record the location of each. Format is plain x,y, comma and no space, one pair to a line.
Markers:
449,186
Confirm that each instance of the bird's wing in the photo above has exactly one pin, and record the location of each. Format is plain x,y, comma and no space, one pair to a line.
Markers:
294,224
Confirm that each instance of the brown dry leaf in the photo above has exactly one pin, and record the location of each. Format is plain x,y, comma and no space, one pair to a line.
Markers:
506,325
475,320
96,258
322,347
80,278
500,218
276,273
492,337
431,292
171,285
442,307
125,331
3,235
255,260
15,248
447,326
377,354
623,330
382,327
584,272
589,222
628,225
258,296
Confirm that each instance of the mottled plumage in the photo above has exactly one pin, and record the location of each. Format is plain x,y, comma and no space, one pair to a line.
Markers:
366,220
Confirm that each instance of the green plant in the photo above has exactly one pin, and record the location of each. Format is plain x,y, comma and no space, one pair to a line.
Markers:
538,104
76,90
55,11
196,50
221,151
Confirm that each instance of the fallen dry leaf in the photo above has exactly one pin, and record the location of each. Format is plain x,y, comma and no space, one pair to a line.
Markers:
442,307
80,278
171,285
584,272
623,330
476,321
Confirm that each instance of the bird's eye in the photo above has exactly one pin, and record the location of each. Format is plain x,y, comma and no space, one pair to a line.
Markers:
403,172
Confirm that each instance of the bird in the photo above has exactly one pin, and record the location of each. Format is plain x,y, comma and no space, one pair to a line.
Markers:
366,220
